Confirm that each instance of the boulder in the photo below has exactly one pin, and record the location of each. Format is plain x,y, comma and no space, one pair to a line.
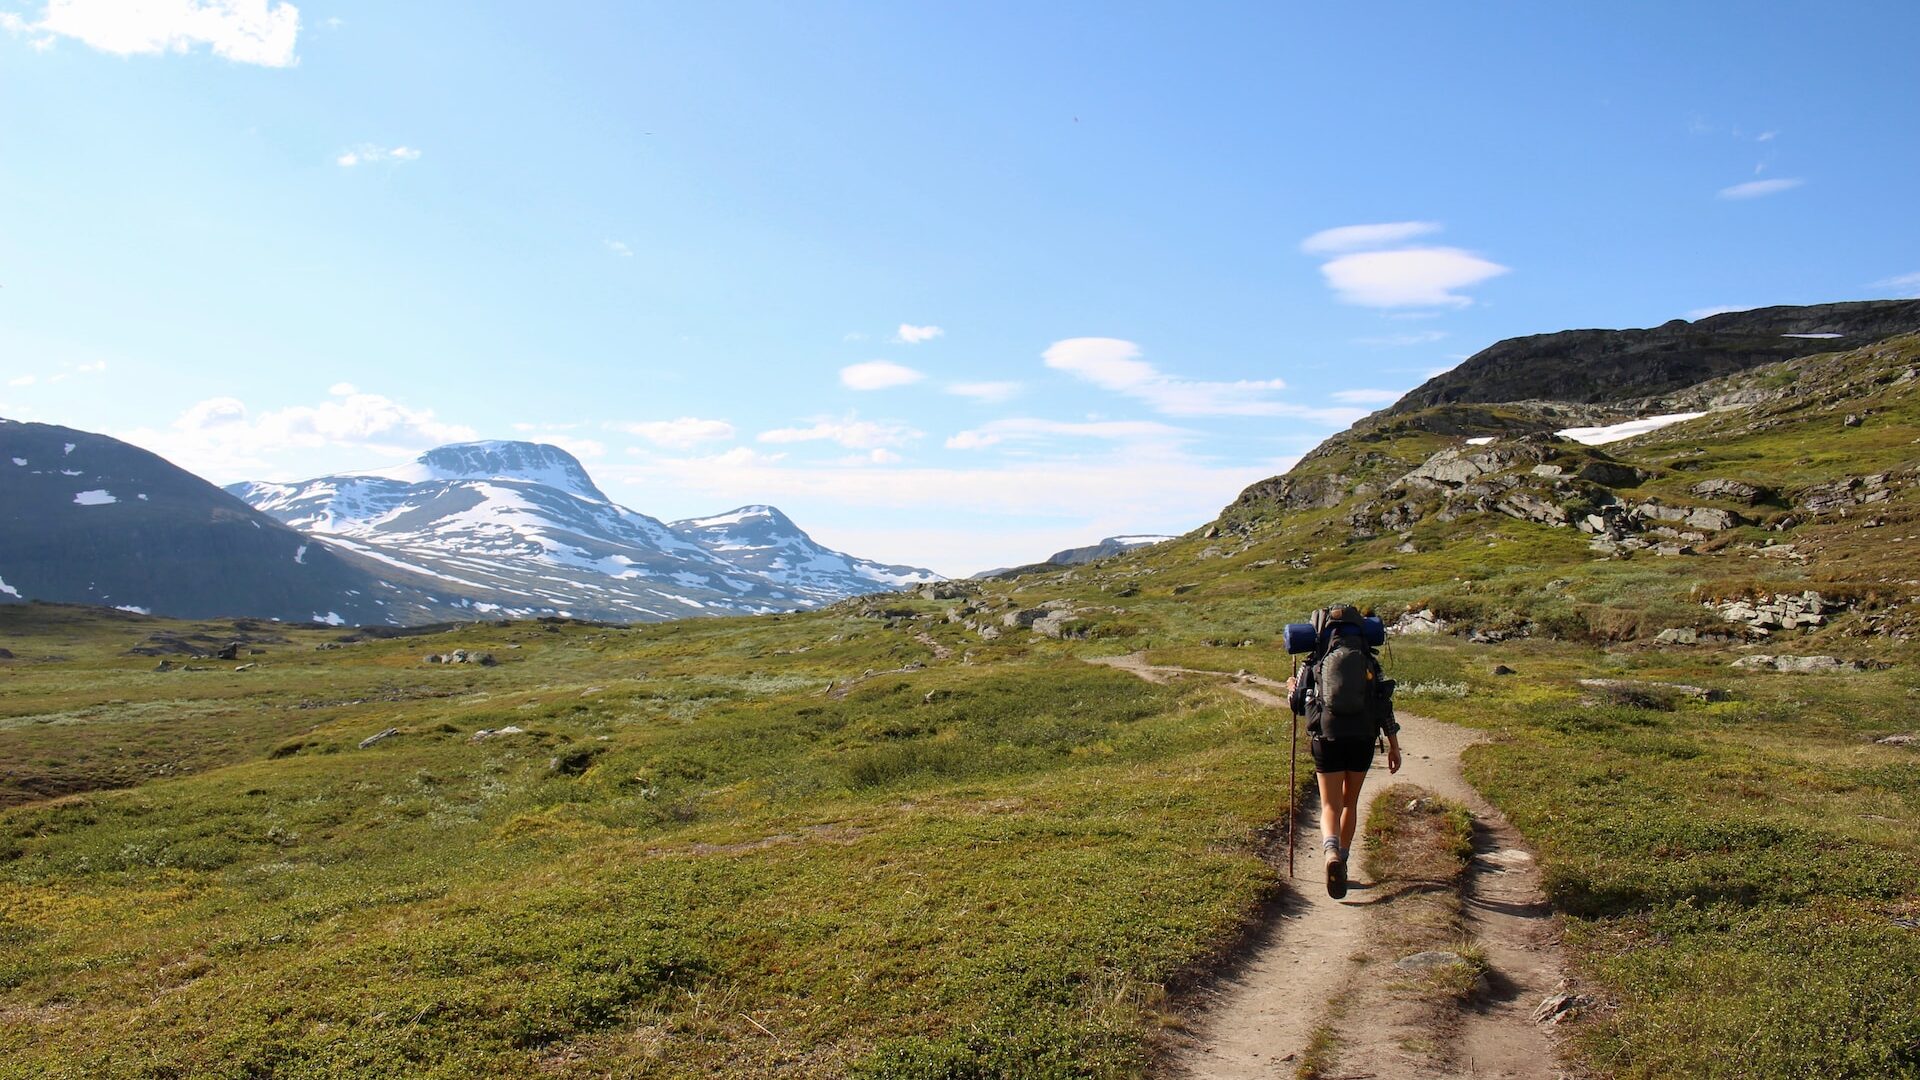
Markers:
1807,665
229,651
1420,622
1677,635
494,733
371,739
1899,740
1611,474
1023,617
1731,491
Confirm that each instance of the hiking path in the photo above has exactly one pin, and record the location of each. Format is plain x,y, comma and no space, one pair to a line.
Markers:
1255,1019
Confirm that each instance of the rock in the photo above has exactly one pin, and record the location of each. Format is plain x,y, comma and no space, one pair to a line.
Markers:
1677,635
1713,520
1899,740
1023,617
1185,587
1061,624
229,651
1212,533
246,667
1551,472
1427,961
1807,665
1852,420
462,656
1560,1006
6,654
942,590
432,658
1611,474
1502,669
1420,622
164,665
371,739
1210,553
1670,548
1731,491
1632,687
493,733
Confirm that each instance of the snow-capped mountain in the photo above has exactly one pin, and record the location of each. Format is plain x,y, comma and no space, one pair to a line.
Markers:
766,542
520,529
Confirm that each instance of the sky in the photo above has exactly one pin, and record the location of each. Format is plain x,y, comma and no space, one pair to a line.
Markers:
952,285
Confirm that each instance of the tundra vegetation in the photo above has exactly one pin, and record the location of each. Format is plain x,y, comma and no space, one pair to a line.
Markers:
916,836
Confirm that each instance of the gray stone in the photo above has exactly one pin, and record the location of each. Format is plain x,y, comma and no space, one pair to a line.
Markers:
371,739
1731,491
1677,635
1899,740
1610,474
1023,617
1420,622
510,729
1427,961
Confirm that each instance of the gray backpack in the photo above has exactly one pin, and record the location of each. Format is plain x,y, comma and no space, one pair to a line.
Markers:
1348,689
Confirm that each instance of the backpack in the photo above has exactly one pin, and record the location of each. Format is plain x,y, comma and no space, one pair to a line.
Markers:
1352,701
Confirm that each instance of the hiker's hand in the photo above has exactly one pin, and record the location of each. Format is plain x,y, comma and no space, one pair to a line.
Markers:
1393,760
1292,684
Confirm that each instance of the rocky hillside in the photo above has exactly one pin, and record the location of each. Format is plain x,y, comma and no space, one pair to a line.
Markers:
1603,366
89,519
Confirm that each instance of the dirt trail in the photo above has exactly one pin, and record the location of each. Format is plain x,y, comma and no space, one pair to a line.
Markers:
1256,1019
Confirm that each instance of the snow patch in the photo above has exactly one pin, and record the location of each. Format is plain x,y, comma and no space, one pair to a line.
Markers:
68,450
299,553
20,461
9,590
1597,436
1816,337
1484,440
331,618
142,497
96,497
135,608
71,472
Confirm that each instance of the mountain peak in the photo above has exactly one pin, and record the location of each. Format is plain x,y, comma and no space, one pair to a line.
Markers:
500,459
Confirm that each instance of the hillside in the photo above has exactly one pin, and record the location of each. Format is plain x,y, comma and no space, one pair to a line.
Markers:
917,836
1603,366
90,519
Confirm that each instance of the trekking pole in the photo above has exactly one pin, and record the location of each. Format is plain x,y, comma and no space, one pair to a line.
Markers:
1293,764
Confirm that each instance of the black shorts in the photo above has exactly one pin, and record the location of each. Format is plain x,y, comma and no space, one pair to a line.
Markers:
1342,755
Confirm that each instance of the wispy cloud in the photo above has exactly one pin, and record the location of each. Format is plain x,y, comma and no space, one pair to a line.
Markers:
989,393
1346,238
245,31
850,433
1754,189
1114,364
1031,429
220,438
1418,337
618,247
369,154
1411,277
1367,397
908,334
878,375
1905,284
682,433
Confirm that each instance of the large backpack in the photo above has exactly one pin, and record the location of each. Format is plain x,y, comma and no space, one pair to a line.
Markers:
1351,698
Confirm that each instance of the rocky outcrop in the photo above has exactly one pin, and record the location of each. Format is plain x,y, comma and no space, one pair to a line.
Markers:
1847,492
1731,491
1815,665
1782,611
461,656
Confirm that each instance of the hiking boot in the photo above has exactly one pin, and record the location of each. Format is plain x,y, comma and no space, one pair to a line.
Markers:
1336,871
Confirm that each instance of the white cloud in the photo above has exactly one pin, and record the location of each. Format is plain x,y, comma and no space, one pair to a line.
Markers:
878,375
1033,429
1411,277
1115,365
1905,284
1419,337
682,433
21,380
1364,237
343,389
580,448
850,433
369,154
220,438
1766,136
985,392
910,334
245,31
619,248
1367,397
1754,189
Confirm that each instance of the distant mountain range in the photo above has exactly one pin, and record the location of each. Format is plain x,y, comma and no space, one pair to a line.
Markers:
473,529
1112,545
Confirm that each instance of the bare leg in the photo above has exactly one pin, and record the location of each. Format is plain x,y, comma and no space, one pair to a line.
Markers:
1350,806
1332,800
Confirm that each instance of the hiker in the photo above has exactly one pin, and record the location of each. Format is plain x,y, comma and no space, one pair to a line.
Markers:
1348,706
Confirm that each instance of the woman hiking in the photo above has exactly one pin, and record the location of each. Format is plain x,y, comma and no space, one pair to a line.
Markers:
1348,706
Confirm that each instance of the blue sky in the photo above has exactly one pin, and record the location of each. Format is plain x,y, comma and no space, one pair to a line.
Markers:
953,285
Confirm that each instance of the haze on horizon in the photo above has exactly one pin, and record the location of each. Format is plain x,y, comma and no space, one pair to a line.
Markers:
953,289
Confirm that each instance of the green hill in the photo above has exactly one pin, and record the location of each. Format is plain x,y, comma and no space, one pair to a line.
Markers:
918,837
